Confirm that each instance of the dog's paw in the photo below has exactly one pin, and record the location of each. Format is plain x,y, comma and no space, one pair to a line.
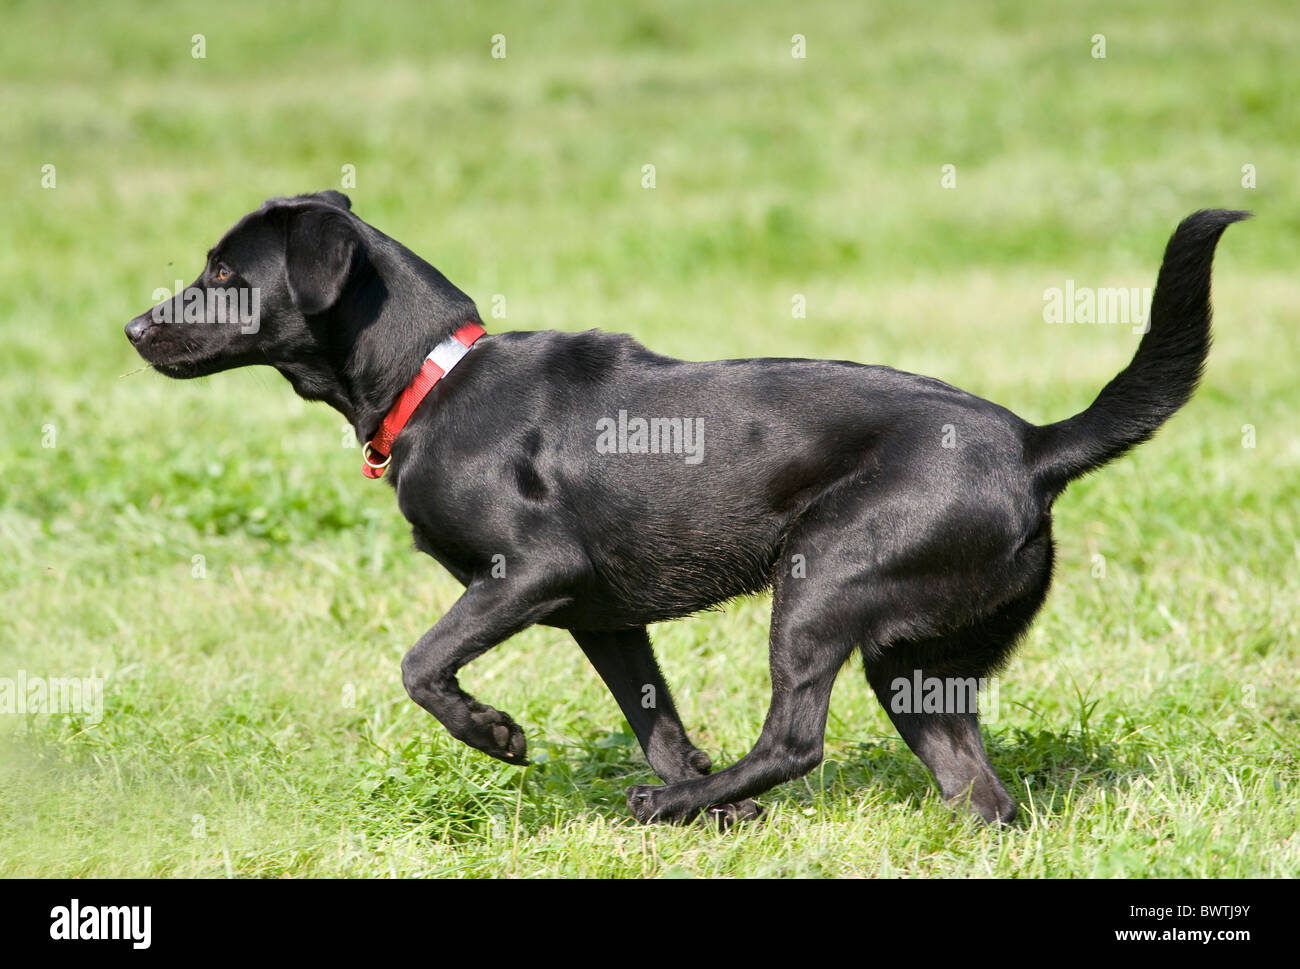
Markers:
655,805
651,805
994,813
727,816
984,799
494,733
641,803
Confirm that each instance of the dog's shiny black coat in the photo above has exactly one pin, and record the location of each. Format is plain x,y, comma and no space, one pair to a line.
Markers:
890,513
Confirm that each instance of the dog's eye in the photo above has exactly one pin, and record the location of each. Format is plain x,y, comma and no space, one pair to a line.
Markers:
223,273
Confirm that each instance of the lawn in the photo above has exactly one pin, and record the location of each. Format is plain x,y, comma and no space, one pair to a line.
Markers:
209,552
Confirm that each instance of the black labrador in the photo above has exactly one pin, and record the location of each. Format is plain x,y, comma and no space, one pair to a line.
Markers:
582,481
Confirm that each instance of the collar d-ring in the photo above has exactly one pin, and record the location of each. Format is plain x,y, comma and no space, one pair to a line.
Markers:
365,456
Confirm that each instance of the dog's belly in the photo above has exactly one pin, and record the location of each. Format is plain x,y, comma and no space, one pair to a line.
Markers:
637,574
646,578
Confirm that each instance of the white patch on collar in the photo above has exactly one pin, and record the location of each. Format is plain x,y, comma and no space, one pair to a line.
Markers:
447,354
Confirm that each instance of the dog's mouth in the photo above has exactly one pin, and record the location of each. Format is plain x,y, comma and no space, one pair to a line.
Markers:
160,351
180,371
177,352
186,368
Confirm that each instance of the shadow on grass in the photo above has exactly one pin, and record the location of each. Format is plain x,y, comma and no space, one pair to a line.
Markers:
482,799
1056,767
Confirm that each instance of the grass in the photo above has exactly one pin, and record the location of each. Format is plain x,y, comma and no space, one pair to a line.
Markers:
254,722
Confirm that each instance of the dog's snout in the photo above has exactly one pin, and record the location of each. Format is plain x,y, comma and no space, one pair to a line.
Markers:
137,328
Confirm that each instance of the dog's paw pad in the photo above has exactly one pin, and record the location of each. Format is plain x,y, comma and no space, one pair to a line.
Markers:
494,733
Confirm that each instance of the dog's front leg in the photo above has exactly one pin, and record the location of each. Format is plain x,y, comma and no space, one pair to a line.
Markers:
487,613
625,660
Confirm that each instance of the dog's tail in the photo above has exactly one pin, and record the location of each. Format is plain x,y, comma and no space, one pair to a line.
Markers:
1164,371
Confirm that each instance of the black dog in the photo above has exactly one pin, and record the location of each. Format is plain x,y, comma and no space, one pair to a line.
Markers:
581,481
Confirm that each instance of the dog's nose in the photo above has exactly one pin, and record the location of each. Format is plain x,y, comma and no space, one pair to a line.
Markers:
136,329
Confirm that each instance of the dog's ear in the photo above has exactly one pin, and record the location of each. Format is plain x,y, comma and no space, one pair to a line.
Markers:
321,251
337,199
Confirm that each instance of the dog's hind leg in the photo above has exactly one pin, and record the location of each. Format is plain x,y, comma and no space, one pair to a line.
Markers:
487,613
928,688
625,661
949,744
809,644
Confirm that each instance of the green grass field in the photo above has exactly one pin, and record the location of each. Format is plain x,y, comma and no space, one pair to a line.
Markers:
211,550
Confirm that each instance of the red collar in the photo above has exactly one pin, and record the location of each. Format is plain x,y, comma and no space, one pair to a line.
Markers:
377,452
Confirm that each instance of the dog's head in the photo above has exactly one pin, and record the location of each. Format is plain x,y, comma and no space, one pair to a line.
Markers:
305,286
269,277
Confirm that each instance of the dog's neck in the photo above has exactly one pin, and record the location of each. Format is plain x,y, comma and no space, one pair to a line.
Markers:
375,339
